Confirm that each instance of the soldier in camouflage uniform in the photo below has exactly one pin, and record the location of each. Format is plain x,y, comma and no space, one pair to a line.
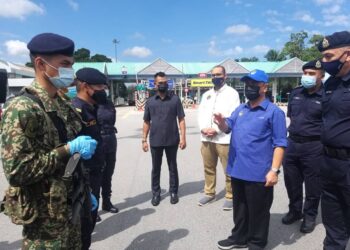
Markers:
38,135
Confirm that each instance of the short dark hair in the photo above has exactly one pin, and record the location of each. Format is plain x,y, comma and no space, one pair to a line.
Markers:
160,74
221,67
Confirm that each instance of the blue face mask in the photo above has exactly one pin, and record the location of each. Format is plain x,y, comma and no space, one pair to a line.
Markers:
308,81
72,92
217,81
64,79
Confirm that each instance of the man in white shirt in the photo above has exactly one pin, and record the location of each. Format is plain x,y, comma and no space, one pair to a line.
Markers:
215,144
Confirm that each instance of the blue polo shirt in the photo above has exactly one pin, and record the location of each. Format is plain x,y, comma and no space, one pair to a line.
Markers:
255,134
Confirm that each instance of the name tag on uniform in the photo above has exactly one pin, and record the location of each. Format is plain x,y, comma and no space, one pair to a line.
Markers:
91,123
317,102
296,97
329,92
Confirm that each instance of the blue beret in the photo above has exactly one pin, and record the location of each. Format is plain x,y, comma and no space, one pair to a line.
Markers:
91,76
316,64
336,40
256,75
51,44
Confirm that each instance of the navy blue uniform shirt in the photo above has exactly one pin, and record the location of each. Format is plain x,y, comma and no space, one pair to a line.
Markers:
106,117
255,134
162,115
336,112
90,128
305,112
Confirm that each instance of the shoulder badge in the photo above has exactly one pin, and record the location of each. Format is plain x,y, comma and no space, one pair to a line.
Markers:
325,43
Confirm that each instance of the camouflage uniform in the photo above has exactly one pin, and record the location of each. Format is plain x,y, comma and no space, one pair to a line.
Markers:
34,160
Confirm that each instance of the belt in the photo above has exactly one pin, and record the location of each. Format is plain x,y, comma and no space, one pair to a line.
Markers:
303,139
339,153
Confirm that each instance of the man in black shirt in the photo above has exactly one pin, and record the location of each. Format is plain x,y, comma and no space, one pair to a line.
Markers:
160,115
335,173
304,154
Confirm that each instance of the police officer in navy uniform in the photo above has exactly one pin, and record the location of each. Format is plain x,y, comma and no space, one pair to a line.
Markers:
335,173
91,85
106,118
304,154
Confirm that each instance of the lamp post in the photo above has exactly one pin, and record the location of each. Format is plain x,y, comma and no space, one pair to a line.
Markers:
115,41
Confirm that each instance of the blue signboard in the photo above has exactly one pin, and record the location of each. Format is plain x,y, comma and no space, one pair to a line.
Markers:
151,84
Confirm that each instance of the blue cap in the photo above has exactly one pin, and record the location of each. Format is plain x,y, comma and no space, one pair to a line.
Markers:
256,75
51,44
336,40
91,76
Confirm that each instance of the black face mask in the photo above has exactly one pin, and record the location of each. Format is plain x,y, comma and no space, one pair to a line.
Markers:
163,87
252,92
99,96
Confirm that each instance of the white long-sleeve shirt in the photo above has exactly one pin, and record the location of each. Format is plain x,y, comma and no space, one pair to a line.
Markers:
223,101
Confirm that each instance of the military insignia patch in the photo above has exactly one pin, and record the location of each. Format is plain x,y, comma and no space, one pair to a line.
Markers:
325,43
318,64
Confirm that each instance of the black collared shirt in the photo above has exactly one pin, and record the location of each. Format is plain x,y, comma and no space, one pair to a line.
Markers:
336,113
305,112
162,114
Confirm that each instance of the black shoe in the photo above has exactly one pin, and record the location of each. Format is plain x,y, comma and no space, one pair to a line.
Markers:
155,200
291,217
108,206
229,244
98,218
174,198
307,226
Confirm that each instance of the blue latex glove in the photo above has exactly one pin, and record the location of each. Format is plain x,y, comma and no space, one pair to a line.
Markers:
94,204
84,145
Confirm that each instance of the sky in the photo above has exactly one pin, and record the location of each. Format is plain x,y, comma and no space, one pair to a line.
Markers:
177,31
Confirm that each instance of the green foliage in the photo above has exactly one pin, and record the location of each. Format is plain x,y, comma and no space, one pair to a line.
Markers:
83,55
249,59
274,55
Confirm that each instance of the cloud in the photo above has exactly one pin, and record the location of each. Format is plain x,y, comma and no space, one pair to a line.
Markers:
261,49
328,2
16,48
331,9
279,26
272,13
136,51
336,20
138,35
19,9
74,5
214,51
242,30
166,40
304,17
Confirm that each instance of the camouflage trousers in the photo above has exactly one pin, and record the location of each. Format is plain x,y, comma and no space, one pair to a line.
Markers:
51,236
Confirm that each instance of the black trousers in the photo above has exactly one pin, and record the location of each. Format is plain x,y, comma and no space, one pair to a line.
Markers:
335,202
110,159
95,175
251,213
157,155
302,164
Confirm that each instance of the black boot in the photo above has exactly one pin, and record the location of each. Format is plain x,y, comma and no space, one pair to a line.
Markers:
291,217
108,206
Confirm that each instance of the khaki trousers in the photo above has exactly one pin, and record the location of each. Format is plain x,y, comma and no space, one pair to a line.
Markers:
210,154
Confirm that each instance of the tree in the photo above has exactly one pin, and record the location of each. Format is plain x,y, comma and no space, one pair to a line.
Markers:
296,46
249,59
30,64
100,58
82,55
274,55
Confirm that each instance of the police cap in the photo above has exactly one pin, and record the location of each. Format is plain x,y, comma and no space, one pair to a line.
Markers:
336,40
51,44
315,64
91,76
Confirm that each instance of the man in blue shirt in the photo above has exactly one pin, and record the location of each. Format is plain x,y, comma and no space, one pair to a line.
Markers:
258,140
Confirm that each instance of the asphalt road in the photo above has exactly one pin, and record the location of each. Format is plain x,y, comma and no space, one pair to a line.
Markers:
183,226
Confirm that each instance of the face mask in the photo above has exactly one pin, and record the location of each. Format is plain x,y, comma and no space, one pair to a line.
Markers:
72,92
99,96
64,79
308,81
163,87
252,92
334,67
217,81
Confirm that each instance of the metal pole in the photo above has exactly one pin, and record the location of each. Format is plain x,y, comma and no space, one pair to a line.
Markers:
115,41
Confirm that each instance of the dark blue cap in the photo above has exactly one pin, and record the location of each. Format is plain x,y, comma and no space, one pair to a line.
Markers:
51,44
256,75
91,76
336,40
315,64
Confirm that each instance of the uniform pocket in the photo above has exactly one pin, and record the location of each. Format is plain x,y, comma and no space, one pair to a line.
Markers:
57,200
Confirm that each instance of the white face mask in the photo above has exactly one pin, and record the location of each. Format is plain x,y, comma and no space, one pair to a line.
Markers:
64,79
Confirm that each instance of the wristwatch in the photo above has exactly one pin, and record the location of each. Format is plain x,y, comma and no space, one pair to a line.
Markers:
276,170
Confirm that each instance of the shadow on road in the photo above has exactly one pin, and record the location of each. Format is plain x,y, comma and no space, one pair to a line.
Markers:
5,245
119,222
158,239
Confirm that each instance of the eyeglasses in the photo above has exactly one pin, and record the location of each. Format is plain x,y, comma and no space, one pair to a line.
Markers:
216,75
162,82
